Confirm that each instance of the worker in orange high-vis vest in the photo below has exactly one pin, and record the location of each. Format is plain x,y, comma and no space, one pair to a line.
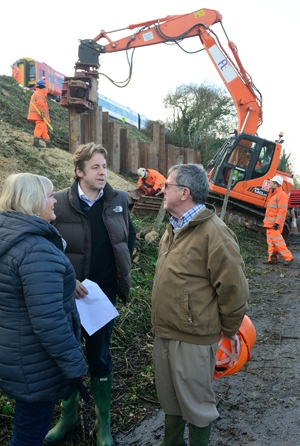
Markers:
47,85
16,72
150,182
274,222
38,112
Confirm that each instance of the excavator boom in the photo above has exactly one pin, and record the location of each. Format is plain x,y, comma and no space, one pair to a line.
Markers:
196,24
245,163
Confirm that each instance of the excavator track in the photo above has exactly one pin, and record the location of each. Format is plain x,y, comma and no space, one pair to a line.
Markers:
238,212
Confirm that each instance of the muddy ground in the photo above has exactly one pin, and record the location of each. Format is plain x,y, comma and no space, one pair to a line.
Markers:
261,404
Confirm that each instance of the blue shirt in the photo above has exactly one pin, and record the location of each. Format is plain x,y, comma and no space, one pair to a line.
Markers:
185,218
84,198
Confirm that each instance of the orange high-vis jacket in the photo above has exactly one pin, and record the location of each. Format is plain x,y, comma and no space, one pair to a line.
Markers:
17,73
46,90
153,184
39,100
276,209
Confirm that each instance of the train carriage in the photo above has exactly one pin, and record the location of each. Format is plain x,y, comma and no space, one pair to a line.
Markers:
28,71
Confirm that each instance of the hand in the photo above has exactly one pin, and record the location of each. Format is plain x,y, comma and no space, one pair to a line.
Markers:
77,384
151,191
235,346
276,226
80,290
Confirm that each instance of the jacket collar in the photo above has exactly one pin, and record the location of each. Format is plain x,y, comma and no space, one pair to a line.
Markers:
109,193
207,212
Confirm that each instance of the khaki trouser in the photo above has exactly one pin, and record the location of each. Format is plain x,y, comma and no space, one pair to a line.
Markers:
183,378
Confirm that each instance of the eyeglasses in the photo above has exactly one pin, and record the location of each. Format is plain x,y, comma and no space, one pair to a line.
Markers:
171,184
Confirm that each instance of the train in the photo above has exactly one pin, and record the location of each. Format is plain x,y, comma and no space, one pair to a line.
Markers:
28,71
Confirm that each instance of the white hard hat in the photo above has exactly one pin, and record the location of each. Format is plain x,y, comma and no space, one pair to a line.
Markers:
277,179
141,172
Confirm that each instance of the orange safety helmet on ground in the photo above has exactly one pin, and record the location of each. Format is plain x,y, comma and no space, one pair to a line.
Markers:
231,356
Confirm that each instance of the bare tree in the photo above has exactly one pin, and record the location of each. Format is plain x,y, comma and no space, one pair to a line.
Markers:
201,116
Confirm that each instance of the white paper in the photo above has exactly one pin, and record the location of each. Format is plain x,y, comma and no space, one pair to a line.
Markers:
95,309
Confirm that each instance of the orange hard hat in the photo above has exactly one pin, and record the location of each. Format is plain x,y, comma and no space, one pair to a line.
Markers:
232,355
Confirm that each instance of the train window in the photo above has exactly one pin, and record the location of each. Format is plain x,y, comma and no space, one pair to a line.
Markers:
31,71
59,82
106,105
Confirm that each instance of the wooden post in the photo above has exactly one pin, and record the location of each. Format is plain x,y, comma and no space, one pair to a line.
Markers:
132,155
85,128
95,128
144,149
188,155
172,154
74,130
105,132
123,149
114,155
197,157
224,207
159,141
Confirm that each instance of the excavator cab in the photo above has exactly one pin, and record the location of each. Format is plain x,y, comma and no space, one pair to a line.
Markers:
249,156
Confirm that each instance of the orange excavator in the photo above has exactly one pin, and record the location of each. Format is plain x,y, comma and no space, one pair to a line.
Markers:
242,168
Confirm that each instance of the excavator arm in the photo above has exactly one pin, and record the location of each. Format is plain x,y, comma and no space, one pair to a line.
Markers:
245,163
247,99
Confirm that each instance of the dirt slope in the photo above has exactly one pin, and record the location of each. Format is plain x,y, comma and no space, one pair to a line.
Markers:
18,155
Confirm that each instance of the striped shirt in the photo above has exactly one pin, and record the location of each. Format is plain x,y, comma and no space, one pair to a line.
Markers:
185,218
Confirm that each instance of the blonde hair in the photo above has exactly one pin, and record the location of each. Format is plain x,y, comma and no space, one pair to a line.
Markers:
84,153
26,193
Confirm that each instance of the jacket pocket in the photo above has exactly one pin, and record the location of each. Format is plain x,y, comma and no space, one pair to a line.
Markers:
186,308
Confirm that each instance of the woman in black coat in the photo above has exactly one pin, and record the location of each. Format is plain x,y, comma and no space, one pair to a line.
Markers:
41,359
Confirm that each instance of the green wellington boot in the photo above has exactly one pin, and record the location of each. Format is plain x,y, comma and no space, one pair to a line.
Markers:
101,388
174,431
199,436
67,422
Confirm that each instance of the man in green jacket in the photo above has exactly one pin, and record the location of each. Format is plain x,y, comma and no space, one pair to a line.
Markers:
199,291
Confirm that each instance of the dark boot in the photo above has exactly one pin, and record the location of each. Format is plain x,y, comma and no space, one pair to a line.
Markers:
174,431
67,422
272,259
101,388
199,436
49,145
36,142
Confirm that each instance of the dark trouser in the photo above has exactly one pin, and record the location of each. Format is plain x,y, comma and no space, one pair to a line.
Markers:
97,346
31,423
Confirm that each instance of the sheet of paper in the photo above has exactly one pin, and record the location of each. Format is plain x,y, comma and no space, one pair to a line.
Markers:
95,309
